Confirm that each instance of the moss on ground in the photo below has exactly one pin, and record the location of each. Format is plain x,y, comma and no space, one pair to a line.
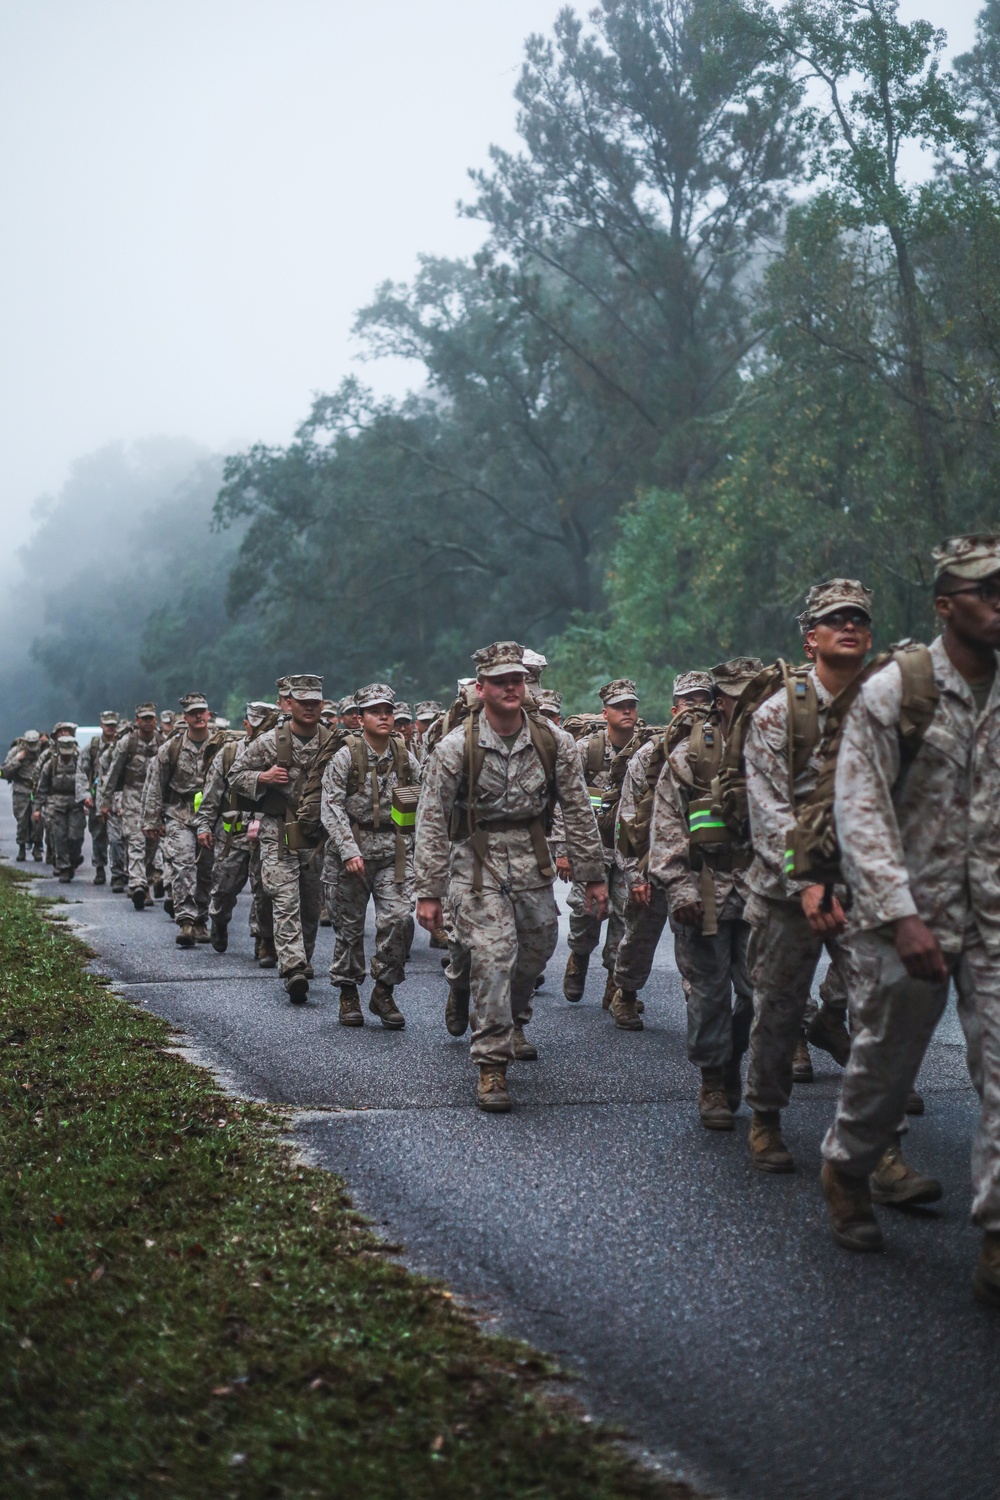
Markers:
187,1311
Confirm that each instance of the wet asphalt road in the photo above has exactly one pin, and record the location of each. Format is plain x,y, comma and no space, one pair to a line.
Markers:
705,1307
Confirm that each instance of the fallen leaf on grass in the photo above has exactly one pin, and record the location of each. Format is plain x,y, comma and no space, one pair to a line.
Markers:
97,1273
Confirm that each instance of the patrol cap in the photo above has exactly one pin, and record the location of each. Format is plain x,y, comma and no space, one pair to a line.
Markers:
167,715
535,663
548,700
731,677
109,717
65,726
463,683
31,736
258,710
64,741
146,711
427,711
374,694
971,557
404,713
499,659
686,683
305,687
837,593
620,690
192,702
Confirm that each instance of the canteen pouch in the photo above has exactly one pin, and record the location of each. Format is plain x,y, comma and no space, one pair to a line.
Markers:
705,825
296,838
404,807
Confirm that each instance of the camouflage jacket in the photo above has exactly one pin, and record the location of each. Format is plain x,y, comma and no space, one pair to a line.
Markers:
670,841
262,753
57,781
171,793
88,767
21,765
127,772
350,820
512,786
926,843
771,811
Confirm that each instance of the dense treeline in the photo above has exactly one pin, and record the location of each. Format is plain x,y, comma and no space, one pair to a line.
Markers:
729,331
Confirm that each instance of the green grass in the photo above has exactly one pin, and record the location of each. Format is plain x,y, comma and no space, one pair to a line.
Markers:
187,1311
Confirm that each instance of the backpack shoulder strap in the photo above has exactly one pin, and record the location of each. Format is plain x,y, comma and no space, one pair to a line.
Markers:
400,759
544,741
596,744
283,745
228,756
920,695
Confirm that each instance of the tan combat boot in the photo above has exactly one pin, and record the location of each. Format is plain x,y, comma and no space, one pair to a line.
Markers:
986,1278
456,1011
185,936
830,1034
896,1183
296,986
268,955
713,1106
802,1068
439,938
623,1011
768,1151
852,1217
201,934
350,1006
384,1006
491,1089
609,992
575,977
524,1051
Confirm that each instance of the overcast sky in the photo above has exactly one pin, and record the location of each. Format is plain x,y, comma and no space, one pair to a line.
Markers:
196,196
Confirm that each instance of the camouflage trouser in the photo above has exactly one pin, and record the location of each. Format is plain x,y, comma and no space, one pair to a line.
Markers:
261,907
191,869
139,850
893,1018
98,840
716,971
393,922
27,832
832,992
65,826
116,845
509,940
230,873
585,931
784,952
291,878
643,929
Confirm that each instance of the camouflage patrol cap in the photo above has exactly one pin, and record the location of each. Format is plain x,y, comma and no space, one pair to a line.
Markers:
619,690
146,711
257,711
427,710
535,663
348,705
837,593
31,736
305,687
167,715
549,701
499,659
110,717
191,703
64,741
971,557
374,694
282,685
65,726
404,713
686,683
731,677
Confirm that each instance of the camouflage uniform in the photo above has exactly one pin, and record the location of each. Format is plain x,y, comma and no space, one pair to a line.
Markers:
291,877
20,769
169,804
55,797
425,714
113,823
584,930
355,831
643,924
88,771
784,950
926,844
233,849
503,907
125,778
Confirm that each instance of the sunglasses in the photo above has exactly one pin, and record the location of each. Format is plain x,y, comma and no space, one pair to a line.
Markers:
988,591
841,617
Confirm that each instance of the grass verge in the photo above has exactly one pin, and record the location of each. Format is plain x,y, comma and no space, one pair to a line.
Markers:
186,1311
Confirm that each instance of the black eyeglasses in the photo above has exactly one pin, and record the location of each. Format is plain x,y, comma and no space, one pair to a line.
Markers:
841,617
988,591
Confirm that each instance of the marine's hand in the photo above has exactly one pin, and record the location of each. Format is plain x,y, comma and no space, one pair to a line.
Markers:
88,803
690,914
355,866
641,895
274,776
563,868
595,899
206,840
920,950
823,923
429,915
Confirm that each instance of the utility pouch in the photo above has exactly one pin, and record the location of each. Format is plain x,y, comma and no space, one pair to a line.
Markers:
404,807
705,826
297,838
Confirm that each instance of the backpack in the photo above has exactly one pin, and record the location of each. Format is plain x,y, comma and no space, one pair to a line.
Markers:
578,725
605,800
812,850
463,827
700,725
465,704
729,792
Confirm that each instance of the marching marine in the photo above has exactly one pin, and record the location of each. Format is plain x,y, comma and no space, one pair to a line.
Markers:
173,795
20,768
131,758
56,802
485,808
225,817
88,771
369,811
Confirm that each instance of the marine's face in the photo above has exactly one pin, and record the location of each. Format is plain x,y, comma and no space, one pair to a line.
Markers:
378,718
503,694
146,724
197,718
622,717
845,635
972,610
